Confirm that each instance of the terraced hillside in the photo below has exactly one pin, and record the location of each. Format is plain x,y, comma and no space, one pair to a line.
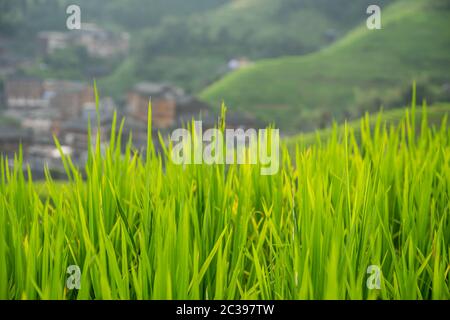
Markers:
363,71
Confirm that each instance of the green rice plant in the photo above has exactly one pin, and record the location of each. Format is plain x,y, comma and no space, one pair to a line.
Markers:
140,227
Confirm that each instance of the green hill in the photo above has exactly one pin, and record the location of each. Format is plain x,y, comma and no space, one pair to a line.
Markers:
359,73
193,50
188,43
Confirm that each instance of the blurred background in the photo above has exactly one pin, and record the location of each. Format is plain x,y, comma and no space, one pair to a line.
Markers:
300,64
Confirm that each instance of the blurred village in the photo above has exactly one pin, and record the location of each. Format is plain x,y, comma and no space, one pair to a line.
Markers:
35,109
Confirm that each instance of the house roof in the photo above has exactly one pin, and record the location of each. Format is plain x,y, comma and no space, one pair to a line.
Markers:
60,86
23,78
14,133
152,89
81,124
189,103
52,34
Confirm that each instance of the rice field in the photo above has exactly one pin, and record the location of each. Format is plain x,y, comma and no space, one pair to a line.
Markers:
141,227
